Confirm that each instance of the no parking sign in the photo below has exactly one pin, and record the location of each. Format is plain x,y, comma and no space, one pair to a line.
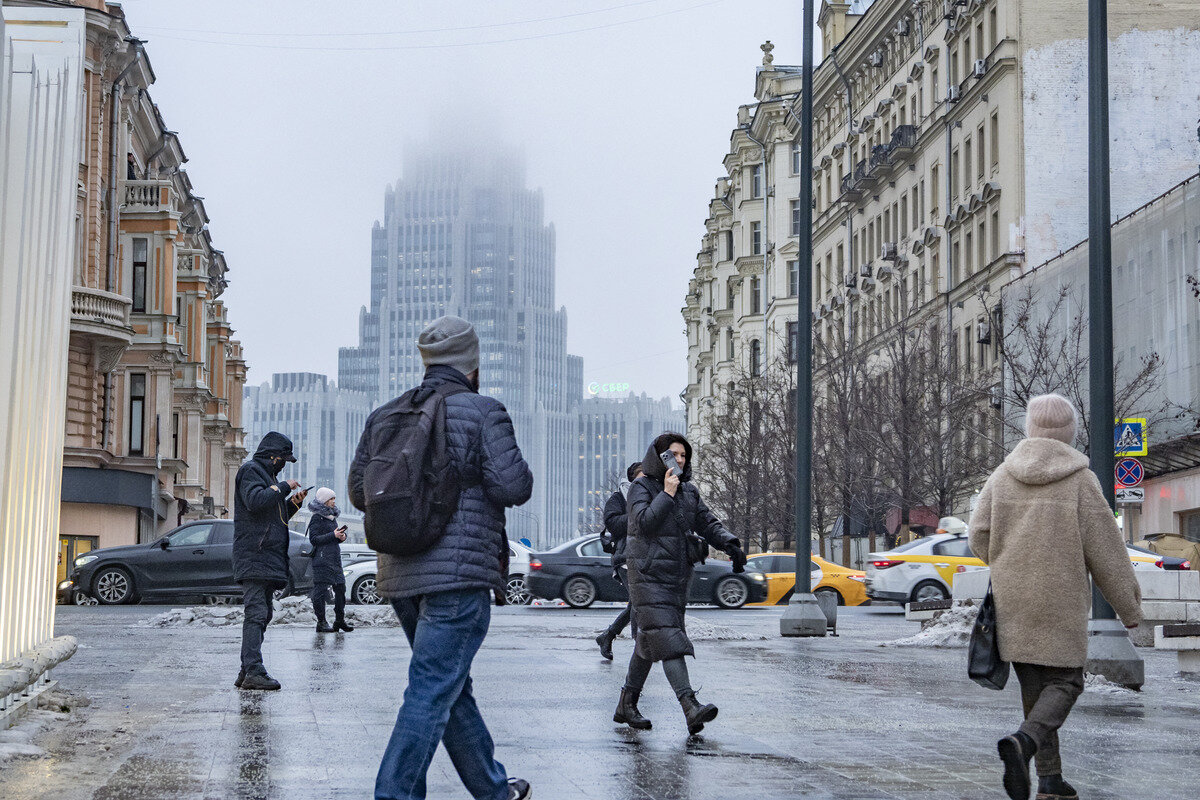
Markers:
1129,473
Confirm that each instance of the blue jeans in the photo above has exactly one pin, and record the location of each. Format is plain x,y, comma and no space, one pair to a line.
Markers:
445,630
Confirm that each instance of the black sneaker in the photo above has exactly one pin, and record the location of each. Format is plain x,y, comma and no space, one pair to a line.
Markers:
259,682
519,789
1016,751
241,677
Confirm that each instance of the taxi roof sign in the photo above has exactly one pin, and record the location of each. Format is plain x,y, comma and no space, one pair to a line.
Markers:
1131,437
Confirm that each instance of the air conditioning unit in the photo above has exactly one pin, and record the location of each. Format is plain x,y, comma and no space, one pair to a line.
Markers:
886,272
851,279
983,332
875,59
837,301
961,2
948,9
902,28
868,284
823,310
866,270
955,94
980,67
995,397
852,293
889,251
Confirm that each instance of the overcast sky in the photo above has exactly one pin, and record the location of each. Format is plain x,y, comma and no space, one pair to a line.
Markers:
294,116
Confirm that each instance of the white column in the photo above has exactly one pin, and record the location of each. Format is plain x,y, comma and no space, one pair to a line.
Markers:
40,125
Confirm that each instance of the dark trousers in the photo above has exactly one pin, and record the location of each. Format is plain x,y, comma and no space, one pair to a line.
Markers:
318,595
445,630
626,615
256,600
1047,694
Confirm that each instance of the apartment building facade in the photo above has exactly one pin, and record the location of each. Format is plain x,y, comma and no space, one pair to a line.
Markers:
153,432
950,145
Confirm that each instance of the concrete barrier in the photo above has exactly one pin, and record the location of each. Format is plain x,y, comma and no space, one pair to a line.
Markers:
1185,641
971,585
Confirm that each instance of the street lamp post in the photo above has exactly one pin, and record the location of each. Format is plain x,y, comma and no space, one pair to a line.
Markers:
803,617
1110,653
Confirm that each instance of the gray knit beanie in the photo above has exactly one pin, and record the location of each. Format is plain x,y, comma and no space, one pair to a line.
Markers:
450,341
1050,416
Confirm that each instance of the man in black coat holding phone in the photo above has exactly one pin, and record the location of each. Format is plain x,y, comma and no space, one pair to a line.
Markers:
261,510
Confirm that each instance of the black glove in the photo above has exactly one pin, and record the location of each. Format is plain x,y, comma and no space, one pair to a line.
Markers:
734,549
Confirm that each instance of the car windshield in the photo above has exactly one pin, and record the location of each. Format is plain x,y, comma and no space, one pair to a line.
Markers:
909,545
568,545
1137,549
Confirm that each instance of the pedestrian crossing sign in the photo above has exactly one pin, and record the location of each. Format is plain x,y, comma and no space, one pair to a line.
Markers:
1130,437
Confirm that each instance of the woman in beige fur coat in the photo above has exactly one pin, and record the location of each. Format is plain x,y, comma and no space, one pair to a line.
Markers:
1043,526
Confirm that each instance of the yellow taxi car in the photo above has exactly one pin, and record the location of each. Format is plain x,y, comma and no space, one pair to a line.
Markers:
780,568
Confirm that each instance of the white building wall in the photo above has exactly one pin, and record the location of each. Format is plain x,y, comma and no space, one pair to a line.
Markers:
40,124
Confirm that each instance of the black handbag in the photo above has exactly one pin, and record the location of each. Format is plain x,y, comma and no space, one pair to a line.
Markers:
984,665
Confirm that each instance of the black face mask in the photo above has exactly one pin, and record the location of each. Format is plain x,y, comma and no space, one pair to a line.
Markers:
277,465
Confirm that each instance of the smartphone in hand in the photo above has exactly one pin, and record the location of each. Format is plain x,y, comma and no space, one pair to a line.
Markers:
668,459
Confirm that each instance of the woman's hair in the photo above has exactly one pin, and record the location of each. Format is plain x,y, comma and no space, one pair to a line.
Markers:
664,441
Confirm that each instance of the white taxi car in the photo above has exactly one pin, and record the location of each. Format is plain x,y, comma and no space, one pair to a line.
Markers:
924,569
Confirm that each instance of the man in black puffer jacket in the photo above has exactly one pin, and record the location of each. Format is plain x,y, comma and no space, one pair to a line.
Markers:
443,595
261,510
615,526
670,528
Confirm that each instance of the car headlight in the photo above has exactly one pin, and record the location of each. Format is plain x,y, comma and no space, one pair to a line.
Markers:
859,578
79,562
758,576
64,585
346,572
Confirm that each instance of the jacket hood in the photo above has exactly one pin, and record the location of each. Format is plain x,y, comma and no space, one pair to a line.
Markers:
1038,462
653,466
274,444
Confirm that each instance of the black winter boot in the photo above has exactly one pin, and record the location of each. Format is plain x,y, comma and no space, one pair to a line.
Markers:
605,641
1015,752
241,677
340,625
1053,787
259,682
323,627
695,713
627,711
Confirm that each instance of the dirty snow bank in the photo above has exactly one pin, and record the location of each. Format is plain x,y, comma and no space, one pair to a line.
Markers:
951,629
700,631
288,611
52,710
1098,684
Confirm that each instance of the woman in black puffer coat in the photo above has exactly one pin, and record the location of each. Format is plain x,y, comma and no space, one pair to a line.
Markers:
326,538
670,529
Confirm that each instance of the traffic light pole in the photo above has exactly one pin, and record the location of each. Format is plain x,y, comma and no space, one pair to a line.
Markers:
1110,653
803,616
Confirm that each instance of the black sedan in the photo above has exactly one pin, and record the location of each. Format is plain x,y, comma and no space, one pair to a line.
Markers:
580,572
195,559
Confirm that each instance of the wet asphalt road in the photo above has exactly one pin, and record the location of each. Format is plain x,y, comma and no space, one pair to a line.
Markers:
832,718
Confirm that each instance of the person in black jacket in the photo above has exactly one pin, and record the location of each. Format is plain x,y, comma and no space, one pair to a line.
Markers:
670,528
615,513
326,536
261,510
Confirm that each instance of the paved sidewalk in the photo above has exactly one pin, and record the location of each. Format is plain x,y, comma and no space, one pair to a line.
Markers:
833,718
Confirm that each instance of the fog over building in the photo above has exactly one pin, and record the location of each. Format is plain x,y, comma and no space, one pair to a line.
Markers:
463,235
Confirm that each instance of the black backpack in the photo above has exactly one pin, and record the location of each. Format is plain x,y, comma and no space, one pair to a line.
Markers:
410,487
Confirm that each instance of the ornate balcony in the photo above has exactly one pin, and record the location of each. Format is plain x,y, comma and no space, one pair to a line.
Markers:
145,197
103,319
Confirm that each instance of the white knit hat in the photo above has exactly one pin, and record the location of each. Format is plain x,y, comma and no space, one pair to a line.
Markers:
324,495
1050,416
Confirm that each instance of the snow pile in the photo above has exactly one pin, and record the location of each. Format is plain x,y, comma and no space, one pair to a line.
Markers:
17,741
951,629
701,631
1098,684
288,611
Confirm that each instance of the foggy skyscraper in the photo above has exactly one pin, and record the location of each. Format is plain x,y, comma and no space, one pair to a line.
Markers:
463,235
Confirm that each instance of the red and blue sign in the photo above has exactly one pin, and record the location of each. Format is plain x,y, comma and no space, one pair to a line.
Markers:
1129,473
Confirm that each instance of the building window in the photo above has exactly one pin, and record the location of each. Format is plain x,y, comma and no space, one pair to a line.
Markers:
729,292
140,250
729,245
793,341
793,273
995,234
795,218
980,156
756,181
996,140
756,238
795,158
175,435
755,295
755,358
137,413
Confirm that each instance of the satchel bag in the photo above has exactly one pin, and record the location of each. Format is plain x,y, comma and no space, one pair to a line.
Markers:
984,665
